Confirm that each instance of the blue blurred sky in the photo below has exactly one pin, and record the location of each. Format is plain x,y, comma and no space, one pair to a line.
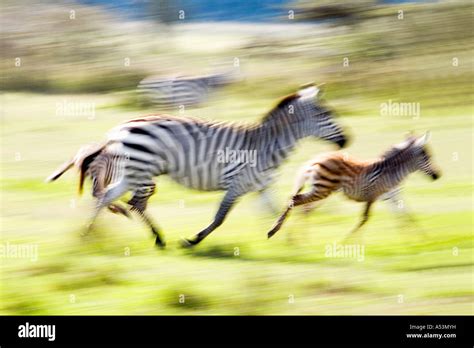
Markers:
209,10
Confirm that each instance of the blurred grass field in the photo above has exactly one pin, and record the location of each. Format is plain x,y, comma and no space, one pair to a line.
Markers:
406,269
432,271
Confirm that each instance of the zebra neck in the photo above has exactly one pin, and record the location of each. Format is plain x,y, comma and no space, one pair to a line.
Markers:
395,169
275,143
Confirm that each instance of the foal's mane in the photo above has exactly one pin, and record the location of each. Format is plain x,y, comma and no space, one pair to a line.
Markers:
397,150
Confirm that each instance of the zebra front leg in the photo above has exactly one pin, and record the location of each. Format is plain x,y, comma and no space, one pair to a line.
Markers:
401,211
229,200
365,217
298,199
398,206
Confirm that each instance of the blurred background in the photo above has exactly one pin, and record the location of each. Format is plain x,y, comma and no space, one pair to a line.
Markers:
73,70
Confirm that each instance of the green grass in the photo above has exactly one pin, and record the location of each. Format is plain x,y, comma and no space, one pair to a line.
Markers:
117,270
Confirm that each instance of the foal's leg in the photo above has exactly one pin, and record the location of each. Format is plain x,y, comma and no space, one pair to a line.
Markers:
97,192
398,205
299,199
399,208
365,217
118,209
139,202
111,194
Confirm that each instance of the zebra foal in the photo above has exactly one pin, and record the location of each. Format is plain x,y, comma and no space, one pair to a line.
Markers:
361,181
199,154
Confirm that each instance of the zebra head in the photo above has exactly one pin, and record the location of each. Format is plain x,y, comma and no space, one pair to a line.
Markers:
318,121
423,157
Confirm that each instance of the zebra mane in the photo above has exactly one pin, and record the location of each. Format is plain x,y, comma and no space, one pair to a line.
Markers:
283,103
164,117
237,125
287,100
398,149
149,117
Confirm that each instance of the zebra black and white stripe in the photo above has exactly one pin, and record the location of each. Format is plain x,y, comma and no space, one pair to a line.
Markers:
181,90
190,151
360,181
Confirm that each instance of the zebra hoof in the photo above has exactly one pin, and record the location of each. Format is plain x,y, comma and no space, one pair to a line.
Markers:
84,234
271,233
187,243
160,244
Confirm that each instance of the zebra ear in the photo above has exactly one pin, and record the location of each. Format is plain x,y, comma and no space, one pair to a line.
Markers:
423,140
409,134
308,91
321,87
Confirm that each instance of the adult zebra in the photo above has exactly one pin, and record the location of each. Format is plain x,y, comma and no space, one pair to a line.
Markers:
200,154
182,90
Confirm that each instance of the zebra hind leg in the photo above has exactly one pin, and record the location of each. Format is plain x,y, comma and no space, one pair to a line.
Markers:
139,203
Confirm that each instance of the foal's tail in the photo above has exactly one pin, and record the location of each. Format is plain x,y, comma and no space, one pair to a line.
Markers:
81,160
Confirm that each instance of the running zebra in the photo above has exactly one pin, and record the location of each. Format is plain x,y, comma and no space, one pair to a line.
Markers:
361,181
181,90
200,154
